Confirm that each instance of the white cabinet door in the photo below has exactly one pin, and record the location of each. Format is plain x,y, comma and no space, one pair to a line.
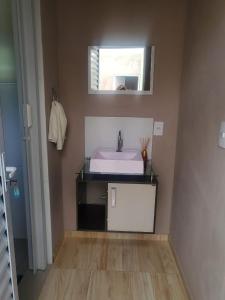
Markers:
131,207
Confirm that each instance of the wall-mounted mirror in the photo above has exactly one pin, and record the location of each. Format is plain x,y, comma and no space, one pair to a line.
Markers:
121,70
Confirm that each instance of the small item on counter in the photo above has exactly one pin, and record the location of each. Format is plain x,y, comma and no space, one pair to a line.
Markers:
15,188
144,152
16,191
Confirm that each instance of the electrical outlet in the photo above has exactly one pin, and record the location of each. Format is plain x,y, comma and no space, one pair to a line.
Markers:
158,128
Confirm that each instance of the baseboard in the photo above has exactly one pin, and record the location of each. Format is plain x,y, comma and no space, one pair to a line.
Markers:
115,235
179,269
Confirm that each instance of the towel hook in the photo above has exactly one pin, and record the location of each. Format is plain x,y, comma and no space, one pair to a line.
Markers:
54,95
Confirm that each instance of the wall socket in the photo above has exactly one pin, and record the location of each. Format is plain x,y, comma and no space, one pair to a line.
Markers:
158,128
222,135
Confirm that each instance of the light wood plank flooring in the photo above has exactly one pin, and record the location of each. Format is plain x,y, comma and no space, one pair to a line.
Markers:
106,269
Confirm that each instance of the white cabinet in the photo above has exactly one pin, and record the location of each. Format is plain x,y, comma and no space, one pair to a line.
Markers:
131,207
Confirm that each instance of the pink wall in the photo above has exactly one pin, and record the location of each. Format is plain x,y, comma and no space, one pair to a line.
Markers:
49,32
198,219
83,23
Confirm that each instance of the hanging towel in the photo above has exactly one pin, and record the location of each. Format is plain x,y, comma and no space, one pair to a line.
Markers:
57,125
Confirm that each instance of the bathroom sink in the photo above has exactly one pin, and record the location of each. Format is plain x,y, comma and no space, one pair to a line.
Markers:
109,161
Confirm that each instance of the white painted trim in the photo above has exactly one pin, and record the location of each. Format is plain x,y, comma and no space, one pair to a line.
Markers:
41,88
128,92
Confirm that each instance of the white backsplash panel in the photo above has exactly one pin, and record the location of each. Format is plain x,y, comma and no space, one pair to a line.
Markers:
101,132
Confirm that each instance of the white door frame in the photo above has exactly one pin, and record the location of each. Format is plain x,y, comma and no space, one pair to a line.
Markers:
27,29
44,149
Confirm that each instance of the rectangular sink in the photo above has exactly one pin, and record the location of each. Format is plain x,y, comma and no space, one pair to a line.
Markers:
107,160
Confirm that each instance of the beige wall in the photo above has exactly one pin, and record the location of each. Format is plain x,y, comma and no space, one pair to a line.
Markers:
49,31
83,23
198,220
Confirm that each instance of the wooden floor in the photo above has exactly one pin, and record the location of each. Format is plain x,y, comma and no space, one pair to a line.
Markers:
106,269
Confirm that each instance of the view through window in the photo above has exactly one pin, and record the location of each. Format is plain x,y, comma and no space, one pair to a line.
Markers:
121,68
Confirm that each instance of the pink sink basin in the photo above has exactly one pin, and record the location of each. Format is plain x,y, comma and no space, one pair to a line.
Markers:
129,161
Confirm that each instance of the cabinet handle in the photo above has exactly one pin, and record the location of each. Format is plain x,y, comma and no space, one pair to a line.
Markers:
113,196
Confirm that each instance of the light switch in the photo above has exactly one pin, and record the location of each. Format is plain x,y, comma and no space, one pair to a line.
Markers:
158,128
222,135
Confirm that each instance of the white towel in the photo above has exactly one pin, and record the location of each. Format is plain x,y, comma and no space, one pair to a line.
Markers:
57,125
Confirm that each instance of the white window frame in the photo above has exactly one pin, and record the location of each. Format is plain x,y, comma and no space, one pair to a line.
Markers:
128,92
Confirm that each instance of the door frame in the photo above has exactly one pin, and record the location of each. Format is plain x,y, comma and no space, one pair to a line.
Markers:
30,77
43,126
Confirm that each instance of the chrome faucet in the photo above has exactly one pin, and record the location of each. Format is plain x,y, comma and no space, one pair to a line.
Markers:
119,142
